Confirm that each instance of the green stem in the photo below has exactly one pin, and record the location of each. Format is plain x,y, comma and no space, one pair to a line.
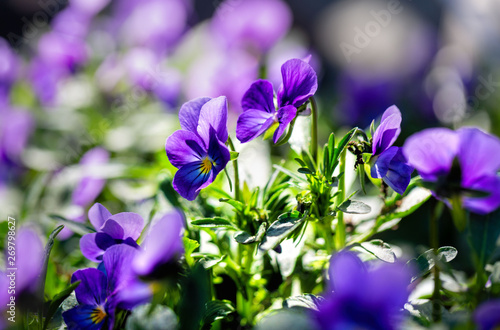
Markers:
314,130
236,172
434,240
340,230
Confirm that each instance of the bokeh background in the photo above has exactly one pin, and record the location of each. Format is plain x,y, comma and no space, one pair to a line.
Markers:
90,88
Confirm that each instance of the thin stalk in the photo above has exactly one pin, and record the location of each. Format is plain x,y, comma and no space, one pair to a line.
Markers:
314,130
340,230
434,240
236,172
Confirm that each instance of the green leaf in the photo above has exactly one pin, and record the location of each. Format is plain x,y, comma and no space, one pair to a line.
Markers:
77,227
354,207
290,173
300,162
215,222
361,177
238,206
161,317
189,246
286,319
483,232
409,204
211,262
234,155
169,192
424,263
245,238
379,249
307,300
57,301
342,144
228,179
304,170
45,264
195,294
216,310
281,229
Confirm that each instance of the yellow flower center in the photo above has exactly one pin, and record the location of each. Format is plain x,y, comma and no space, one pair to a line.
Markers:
206,165
98,315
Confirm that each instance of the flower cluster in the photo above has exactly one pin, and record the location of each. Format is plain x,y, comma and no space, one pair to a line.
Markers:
117,283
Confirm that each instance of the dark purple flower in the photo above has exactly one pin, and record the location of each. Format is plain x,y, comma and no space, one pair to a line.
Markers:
162,244
254,24
487,315
99,292
454,161
259,114
198,149
363,298
388,162
121,228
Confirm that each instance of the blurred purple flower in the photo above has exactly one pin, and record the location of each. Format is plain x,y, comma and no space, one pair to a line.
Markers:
145,71
28,260
121,228
253,24
89,186
222,72
259,114
454,161
363,298
45,77
63,50
16,126
162,244
388,162
153,24
361,99
198,149
88,7
72,21
91,183
487,315
9,70
99,293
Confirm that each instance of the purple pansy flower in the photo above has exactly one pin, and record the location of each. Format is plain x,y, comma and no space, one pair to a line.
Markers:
363,298
99,293
487,315
466,159
121,228
299,84
198,149
388,162
162,244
